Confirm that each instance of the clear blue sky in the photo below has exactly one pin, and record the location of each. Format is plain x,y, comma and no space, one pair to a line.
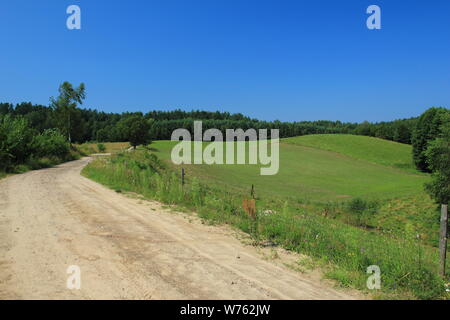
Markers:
286,60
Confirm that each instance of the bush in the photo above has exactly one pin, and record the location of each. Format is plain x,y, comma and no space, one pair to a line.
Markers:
360,206
51,143
101,147
5,156
15,139
22,148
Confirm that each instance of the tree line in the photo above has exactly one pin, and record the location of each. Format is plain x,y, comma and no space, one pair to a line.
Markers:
92,125
64,117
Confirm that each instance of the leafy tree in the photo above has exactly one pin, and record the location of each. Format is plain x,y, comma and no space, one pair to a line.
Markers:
139,132
65,107
6,108
103,135
402,133
364,129
134,129
427,129
438,159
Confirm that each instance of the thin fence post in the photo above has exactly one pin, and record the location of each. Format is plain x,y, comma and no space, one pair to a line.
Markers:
182,176
255,213
443,239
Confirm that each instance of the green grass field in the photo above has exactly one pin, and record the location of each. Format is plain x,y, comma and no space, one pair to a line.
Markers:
322,171
313,173
346,208
373,150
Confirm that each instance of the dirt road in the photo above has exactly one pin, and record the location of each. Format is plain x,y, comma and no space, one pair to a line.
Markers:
126,248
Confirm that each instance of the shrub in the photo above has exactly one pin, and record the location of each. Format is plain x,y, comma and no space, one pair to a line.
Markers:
15,138
101,147
360,206
5,155
51,143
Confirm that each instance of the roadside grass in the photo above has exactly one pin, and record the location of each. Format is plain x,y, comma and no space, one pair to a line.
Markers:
414,216
408,268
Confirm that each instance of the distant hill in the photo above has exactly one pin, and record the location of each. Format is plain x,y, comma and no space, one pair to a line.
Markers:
374,150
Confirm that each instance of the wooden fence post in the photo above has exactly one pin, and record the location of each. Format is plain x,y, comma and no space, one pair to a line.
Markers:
182,176
443,238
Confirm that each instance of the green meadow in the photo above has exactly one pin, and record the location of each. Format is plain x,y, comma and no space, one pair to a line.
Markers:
336,169
373,150
325,172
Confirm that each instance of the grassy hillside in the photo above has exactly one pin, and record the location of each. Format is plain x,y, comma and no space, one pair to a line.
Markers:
326,182
324,174
314,174
289,219
374,150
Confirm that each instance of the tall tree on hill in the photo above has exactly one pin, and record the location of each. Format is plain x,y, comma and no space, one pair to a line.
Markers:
427,129
65,106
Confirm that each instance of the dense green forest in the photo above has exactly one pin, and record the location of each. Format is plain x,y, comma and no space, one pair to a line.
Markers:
93,125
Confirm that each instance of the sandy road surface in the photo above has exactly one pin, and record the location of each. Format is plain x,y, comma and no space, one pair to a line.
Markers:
126,248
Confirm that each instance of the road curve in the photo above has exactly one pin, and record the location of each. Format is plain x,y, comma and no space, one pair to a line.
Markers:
126,248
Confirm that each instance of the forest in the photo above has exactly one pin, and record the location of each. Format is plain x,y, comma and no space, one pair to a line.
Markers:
93,125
